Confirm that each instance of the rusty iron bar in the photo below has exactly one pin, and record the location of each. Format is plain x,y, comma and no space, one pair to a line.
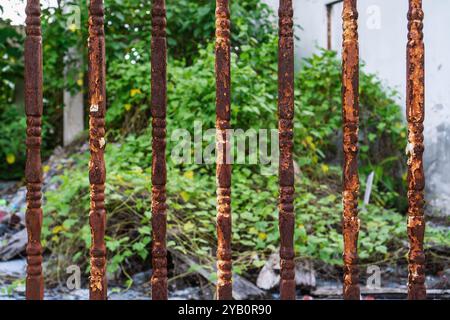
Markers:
286,136
350,114
159,173
33,170
415,113
223,167
97,170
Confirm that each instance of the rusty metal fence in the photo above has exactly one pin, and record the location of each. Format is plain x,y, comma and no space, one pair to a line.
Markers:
97,172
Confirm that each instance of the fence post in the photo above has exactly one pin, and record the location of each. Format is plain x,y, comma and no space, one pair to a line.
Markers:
350,113
97,171
159,174
286,135
33,170
223,166
415,113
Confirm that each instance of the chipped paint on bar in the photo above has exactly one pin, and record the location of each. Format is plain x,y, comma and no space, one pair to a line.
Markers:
286,138
350,114
415,114
223,168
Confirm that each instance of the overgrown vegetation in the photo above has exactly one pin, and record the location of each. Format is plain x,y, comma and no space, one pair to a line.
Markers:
127,28
11,117
191,187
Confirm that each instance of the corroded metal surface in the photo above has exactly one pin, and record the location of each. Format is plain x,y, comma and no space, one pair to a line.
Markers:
97,171
415,113
33,171
350,113
286,134
223,169
159,176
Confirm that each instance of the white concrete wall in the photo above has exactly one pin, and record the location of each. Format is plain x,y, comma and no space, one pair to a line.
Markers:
383,32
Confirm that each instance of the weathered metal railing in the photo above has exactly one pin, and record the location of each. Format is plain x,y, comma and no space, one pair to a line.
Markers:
350,114
286,142
415,113
159,102
223,170
33,171
97,172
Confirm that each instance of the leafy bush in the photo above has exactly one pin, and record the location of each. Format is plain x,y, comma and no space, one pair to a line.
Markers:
11,60
318,103
191,187
192,210
127,28
12,126
12,159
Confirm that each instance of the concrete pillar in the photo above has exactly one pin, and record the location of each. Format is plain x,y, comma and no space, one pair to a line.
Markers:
73,120
73,116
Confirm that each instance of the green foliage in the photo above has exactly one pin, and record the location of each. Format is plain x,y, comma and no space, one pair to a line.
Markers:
318,104
191,187
12,128
190,25
12,117
382,135
11,61
127,29
192,211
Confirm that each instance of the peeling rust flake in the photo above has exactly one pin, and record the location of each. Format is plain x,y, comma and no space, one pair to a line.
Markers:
350,113
415,114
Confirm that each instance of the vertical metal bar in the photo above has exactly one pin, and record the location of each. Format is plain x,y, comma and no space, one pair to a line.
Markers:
223,167
286,135
33,171
97,171
415,113
329,17
159,176
350,113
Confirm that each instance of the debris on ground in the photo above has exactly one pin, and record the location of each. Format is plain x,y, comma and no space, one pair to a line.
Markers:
269,276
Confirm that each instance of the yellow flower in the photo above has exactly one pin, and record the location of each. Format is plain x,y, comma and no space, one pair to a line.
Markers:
127,107
262,236
185,196
189,226
189,175
10,158
80,82
134,92
325,168
57,229
46,168
73,27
